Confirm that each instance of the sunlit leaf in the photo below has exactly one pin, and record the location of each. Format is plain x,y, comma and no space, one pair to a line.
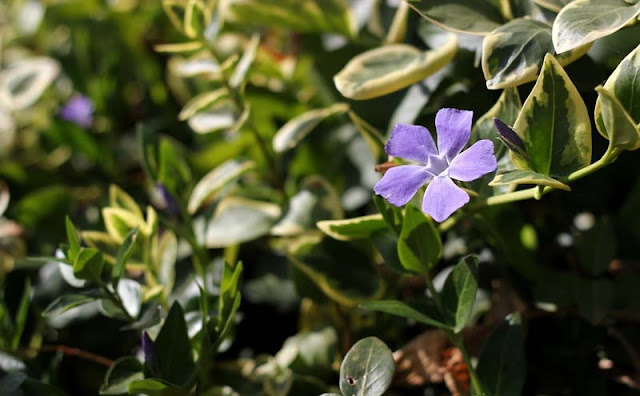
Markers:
213,182
354,228
465,16
298,128
527,177
367,369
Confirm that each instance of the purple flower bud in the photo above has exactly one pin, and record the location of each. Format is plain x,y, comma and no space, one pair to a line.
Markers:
149,351
510,138
78,110
167,201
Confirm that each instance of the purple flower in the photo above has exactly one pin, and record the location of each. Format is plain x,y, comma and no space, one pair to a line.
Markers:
78,110
149,351
437,165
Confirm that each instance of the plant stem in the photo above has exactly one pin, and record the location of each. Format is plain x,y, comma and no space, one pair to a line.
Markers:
456,339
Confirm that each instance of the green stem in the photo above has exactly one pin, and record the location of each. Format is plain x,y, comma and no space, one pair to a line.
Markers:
458,341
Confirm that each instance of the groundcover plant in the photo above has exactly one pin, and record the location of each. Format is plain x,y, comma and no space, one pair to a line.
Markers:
319,197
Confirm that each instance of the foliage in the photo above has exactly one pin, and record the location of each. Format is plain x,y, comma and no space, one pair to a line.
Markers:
188,198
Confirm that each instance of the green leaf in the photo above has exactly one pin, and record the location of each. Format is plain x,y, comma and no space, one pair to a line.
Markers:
597,248
459,292
344,272
463,16
501,365
527,177
623,84
595,298
611,116
88,264
66,302
356,228
419,245
367,369
387,69
21,316
124,251
34,387
175,361
316,201
213,182
584,21
427,314
554,124
298,128
154,387
374,138
122,373
239,220
391,214
327,16
73,239
310,352
513,54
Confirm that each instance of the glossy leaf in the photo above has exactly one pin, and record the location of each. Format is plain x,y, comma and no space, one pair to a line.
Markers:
611,115
464,16
367,369
354,228
328,16
513,54
66,302
387,69
554,124
425,314
173,348
459,292
88,264
623,84
527,177
240,220
419,244
298,128
552,5
213,182
501,366
123,372
584,21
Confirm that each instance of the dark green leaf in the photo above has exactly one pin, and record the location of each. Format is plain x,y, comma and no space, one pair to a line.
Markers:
426,314
73,239
175,361
21,315
124,252
501,366
459,292
611,116
88,264
154,387
367,369
595,298
419,245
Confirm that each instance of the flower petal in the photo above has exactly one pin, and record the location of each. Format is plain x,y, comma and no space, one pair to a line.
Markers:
474,162
401,183
454,129
412,142
442,198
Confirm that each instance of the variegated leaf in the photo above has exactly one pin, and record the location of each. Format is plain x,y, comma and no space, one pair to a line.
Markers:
527,177
584,21
390,68
296,129
513,53
215,180
624,133
355,228
554,124
464,16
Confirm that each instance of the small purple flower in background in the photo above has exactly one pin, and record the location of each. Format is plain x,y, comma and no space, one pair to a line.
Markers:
78,110
438,165
149,351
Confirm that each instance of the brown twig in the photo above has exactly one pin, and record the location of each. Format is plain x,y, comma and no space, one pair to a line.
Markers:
66,350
